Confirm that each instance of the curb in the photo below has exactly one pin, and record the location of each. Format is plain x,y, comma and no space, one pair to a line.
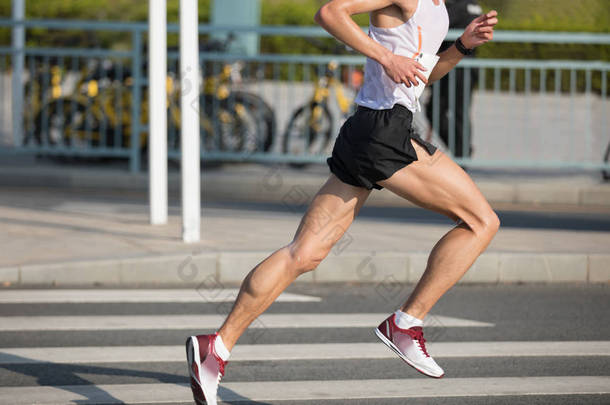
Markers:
275,184
212,269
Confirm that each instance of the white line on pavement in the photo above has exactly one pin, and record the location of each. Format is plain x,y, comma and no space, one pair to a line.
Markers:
133,296
133,322
322,351
309,390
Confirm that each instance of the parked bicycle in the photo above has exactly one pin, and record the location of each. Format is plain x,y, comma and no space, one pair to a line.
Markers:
245,122
98,112
241,121
309,130
42,87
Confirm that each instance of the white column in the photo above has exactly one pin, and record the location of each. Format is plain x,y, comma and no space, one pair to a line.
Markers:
189,70
18,39
157,121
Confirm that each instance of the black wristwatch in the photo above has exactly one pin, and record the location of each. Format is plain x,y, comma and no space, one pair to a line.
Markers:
459,45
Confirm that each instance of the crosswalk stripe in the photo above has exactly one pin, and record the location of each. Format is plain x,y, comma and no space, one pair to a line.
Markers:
133,296
321,351
138,322
309,390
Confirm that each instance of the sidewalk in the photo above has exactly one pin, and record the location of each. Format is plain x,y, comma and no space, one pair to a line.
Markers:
274,182
63,236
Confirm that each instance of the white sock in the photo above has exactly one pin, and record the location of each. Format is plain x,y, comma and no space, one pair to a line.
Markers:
406,321
220,348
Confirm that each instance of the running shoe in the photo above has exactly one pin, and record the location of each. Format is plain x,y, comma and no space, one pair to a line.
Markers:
410,345
206,368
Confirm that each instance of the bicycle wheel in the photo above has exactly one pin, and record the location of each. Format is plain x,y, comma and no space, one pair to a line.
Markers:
68,122
308,131
606,172
265,117
230,124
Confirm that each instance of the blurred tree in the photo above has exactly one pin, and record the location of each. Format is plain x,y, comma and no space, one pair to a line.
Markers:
549,15
536,15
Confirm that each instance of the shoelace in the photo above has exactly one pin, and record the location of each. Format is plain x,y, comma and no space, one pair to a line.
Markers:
221,362
417,333
221,365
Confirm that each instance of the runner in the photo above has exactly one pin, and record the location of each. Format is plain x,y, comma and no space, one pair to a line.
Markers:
376,148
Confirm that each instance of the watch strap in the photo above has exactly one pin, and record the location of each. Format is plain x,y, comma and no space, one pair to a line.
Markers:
459,45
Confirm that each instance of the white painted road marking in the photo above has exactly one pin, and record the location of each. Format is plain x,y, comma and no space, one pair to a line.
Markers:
133,296
138,322
308,390
321,351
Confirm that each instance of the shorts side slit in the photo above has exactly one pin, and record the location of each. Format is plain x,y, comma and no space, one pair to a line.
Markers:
373,144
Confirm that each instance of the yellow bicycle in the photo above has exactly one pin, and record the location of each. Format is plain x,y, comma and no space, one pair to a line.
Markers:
309,129
96,114
99,112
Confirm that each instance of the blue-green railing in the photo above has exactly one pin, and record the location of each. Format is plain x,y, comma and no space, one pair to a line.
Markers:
287,81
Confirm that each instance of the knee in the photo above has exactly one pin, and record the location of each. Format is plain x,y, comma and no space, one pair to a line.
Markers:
484,224
488,223
304,257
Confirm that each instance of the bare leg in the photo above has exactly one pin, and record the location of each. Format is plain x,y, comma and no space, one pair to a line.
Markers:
437,183
329,215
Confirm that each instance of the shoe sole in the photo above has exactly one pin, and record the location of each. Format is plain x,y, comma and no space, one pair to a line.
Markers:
395,349
192,352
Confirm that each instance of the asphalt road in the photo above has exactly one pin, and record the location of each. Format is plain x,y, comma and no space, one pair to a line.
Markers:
488,340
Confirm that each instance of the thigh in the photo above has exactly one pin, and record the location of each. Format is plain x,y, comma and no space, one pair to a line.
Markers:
328,216
437,183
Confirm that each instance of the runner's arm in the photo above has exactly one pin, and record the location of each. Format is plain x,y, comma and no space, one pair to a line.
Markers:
335,17
478,32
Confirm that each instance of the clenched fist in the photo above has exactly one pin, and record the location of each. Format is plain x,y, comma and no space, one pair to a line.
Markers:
405,70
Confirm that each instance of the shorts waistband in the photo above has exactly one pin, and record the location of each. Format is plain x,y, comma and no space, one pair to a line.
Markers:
397,108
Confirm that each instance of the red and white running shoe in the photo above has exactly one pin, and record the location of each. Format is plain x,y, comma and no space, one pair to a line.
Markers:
410,345
205,367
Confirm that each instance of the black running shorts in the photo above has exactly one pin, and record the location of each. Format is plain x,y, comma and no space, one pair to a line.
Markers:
373,144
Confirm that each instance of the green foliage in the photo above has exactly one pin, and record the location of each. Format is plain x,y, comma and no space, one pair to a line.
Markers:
95,10
288,13
549,15
300,13
103,10
534,15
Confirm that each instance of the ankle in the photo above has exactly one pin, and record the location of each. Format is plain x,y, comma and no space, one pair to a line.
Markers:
416,309
220,348
405,321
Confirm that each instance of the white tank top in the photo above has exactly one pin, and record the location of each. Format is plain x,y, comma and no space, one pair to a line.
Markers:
422,33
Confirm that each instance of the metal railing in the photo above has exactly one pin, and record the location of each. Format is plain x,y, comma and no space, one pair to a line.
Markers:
288,108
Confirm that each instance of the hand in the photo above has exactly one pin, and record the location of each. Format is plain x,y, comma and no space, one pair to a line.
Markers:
405,70
480,30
